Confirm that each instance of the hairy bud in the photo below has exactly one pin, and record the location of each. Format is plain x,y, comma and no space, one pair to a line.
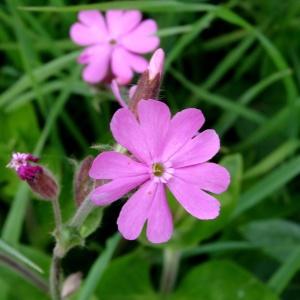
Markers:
83,184
40,180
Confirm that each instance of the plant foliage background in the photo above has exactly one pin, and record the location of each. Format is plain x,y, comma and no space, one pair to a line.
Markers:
239,62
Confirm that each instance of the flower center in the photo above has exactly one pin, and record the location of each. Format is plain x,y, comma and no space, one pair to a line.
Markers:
112,42
162,172
158,169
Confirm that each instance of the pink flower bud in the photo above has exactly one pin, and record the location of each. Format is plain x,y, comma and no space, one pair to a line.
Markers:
156,64
39,179
71,284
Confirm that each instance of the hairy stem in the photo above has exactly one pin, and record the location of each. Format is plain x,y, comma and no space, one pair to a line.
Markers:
56,213
82,212
55,277
55,271
171,260
25,272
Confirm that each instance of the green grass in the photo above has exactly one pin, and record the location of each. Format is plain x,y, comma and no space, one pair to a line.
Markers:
238,62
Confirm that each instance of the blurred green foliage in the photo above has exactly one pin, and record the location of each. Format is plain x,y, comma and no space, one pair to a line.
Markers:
236,60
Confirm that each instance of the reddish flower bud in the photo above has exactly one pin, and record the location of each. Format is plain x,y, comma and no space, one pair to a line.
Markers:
39,179
149,83
44,185
83,184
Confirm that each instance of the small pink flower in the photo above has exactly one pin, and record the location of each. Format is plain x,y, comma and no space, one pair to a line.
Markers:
114,44
166,153
20,162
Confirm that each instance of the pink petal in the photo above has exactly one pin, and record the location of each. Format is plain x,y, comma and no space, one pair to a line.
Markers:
127,132
121,66
156,63
135,211
91,30
184,125
142,39
116,91
111,165
208,176
114,22
97,68
132,91
114,190
196,202
130,20
154,117
159,224
82,35
94,19
198,150
138,63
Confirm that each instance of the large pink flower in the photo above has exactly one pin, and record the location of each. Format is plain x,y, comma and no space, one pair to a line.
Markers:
114,44
166,153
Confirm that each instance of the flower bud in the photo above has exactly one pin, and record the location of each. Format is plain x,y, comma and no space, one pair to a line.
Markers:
83,184
149,83
40,180
44,185
71,284
156,64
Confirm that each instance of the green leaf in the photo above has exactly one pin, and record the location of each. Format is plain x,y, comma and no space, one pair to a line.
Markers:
186,39
222,280
92,222
191,230
281,278
40,74
127,278
149,6
268,185
220,101
98,268
275,237
18,256
273,159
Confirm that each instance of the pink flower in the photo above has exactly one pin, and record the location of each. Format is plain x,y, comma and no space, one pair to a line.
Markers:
166,153
21,163
114,44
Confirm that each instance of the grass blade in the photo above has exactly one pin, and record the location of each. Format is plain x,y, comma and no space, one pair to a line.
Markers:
219,101
268,185
6,248
279,281
98,268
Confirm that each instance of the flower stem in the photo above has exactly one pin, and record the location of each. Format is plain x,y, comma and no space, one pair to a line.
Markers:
83,211
171,259
55,277
55,271
56,213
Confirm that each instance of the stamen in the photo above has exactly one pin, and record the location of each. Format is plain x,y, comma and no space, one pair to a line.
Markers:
158,169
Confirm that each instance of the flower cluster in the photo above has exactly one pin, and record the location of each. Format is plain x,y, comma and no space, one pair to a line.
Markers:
160,153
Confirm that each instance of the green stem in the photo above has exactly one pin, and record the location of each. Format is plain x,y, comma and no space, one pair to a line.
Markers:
81,214
55,277
57,214
55,271
171,259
